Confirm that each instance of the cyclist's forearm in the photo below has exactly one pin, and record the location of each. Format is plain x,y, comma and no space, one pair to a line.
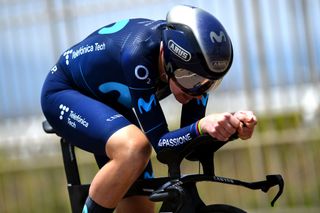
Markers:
178,138
193,111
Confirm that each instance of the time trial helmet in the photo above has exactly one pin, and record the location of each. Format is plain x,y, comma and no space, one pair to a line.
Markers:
197,49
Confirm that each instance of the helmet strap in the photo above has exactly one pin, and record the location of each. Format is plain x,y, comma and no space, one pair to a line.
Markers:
163,76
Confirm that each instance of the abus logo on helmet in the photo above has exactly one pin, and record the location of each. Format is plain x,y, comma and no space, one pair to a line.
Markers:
179,51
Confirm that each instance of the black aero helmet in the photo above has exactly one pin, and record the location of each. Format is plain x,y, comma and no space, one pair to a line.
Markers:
197,49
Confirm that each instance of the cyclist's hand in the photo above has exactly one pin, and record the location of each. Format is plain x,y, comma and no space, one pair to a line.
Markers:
220,126
247,125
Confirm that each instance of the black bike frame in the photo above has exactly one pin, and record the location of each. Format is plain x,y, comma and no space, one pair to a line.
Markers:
178,192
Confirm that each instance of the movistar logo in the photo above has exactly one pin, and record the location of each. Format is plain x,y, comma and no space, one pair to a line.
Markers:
146,106
179,51
218,38
203,100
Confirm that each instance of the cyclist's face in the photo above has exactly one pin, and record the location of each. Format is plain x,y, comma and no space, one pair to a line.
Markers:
180,96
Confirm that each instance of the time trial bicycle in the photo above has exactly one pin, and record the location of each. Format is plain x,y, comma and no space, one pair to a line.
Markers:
177,192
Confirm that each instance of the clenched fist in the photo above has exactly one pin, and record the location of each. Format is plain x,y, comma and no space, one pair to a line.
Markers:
222,125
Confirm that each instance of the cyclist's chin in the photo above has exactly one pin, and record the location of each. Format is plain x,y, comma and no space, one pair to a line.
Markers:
182,98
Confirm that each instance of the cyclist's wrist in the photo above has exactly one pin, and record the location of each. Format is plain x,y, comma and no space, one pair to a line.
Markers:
198,126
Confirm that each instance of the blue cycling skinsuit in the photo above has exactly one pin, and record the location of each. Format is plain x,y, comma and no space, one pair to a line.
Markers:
110,80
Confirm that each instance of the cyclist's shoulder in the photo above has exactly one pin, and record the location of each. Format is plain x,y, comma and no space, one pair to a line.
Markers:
140,53
129,27
140,23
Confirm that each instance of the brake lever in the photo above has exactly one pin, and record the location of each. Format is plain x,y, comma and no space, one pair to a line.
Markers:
271,180
275,180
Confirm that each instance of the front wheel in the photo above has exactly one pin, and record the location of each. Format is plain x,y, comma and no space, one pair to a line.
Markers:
221,208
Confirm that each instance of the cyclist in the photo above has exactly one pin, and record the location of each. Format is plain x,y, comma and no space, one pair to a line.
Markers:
103,96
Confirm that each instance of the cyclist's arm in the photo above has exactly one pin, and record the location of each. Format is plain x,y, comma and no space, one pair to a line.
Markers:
152,121
194,110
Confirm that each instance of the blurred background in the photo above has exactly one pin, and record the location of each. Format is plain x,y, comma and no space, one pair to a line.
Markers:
276,73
